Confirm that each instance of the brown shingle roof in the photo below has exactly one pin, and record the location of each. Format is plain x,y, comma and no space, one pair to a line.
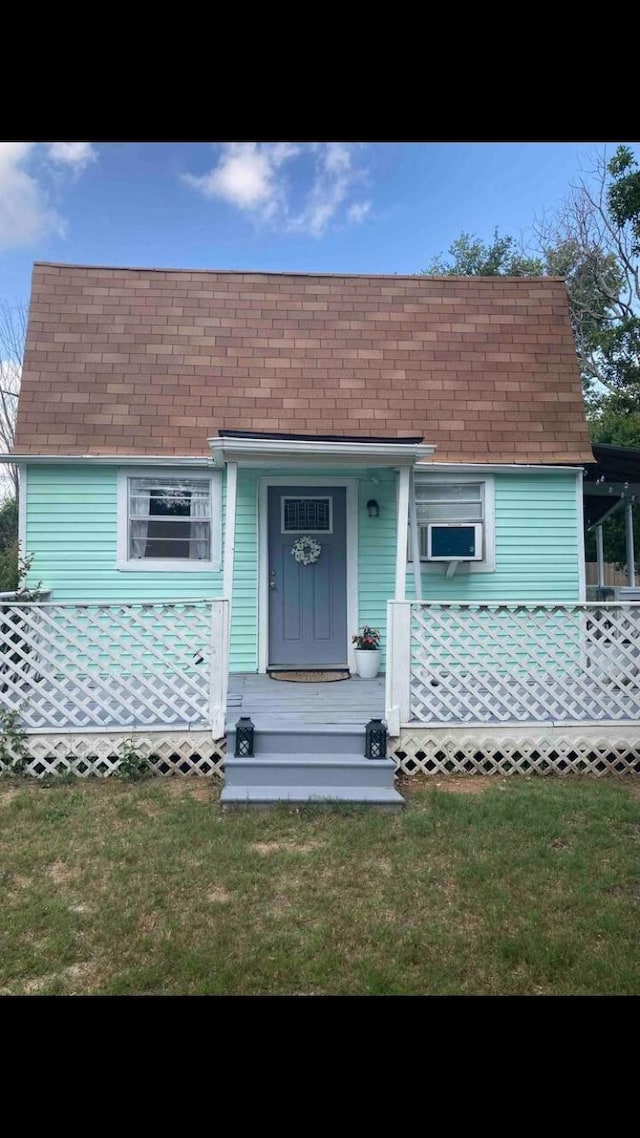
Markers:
148,361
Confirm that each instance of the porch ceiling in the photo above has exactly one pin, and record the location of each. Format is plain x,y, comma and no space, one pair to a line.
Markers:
613,478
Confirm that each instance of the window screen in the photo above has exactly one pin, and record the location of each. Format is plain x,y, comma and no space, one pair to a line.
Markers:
169,518
304,515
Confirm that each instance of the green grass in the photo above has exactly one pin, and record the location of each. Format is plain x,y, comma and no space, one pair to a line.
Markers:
530,886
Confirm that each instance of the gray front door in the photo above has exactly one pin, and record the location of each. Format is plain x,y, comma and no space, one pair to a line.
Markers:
307,603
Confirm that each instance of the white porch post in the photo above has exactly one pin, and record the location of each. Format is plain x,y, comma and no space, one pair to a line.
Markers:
227,580
402,532
600,555
415,542
229,530
631,559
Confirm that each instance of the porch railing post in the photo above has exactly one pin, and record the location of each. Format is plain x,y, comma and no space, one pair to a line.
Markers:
600,555
398,674
631,558
415,539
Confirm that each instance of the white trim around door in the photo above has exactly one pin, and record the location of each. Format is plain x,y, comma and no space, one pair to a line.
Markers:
296,479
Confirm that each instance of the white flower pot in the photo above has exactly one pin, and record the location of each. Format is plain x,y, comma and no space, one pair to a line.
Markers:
367,662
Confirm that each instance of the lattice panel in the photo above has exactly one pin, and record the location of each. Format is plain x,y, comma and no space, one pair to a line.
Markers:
417,752
100,755
108,665
495,663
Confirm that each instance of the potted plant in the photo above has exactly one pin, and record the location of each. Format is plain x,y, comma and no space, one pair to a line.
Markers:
367,652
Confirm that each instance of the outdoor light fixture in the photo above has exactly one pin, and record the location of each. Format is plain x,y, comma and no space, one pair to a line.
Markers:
244,738
375,735
373,508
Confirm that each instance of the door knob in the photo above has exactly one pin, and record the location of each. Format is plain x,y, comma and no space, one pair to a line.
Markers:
272,584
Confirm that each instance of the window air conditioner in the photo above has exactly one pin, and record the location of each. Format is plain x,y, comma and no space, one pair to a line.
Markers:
454,541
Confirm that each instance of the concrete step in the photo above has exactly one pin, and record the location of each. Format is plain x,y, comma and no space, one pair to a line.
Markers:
309,770
255,797
344,740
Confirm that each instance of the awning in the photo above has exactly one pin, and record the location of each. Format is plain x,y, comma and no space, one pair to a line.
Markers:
254,449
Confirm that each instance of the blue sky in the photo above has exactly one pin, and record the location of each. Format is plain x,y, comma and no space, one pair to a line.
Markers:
343,207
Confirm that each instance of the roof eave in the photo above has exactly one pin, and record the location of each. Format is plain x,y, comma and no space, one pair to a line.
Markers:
109,459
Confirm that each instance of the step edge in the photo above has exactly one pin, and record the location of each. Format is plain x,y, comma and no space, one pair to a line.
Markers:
309,759
311,729
345,793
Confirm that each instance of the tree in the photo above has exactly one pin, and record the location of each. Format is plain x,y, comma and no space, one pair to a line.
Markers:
13,324
594,242
9,553
472,257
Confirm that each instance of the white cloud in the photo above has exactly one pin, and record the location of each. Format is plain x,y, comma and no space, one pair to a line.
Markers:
358,211
252,177
333,178
25,213
26,210
75,156
246,175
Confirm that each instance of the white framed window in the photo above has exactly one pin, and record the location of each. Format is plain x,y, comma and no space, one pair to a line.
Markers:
169,520
463,500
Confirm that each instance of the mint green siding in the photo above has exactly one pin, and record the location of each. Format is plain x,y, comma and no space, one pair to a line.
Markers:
71,532
244,608
377,559
72,526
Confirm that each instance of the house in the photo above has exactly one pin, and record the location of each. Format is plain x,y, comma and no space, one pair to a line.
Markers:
178,432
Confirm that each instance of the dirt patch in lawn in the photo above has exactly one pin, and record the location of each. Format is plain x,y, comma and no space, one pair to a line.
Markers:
7,796
200,788
457,784
76,978
632,785
218,895
20,881
60,873
265,848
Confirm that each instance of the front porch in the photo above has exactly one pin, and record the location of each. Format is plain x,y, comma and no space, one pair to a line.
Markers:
273,704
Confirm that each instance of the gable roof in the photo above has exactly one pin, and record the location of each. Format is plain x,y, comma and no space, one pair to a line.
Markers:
154,361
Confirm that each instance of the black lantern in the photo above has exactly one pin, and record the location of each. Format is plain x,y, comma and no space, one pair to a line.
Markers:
373,508
375,740
244,738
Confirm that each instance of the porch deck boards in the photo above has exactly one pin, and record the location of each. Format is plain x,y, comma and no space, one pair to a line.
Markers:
276,704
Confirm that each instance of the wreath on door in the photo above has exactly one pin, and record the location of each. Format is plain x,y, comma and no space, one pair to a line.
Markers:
306,550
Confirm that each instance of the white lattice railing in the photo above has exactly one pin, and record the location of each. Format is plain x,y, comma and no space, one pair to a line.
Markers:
115,665
459,663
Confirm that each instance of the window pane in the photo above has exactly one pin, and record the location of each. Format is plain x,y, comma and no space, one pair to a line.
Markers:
168,497
301,514
170,538
448,491
449,512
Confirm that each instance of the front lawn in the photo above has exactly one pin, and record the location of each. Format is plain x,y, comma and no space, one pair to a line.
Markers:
516,885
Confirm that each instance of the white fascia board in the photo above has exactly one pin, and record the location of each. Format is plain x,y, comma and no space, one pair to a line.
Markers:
308,450
110,459
494,468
